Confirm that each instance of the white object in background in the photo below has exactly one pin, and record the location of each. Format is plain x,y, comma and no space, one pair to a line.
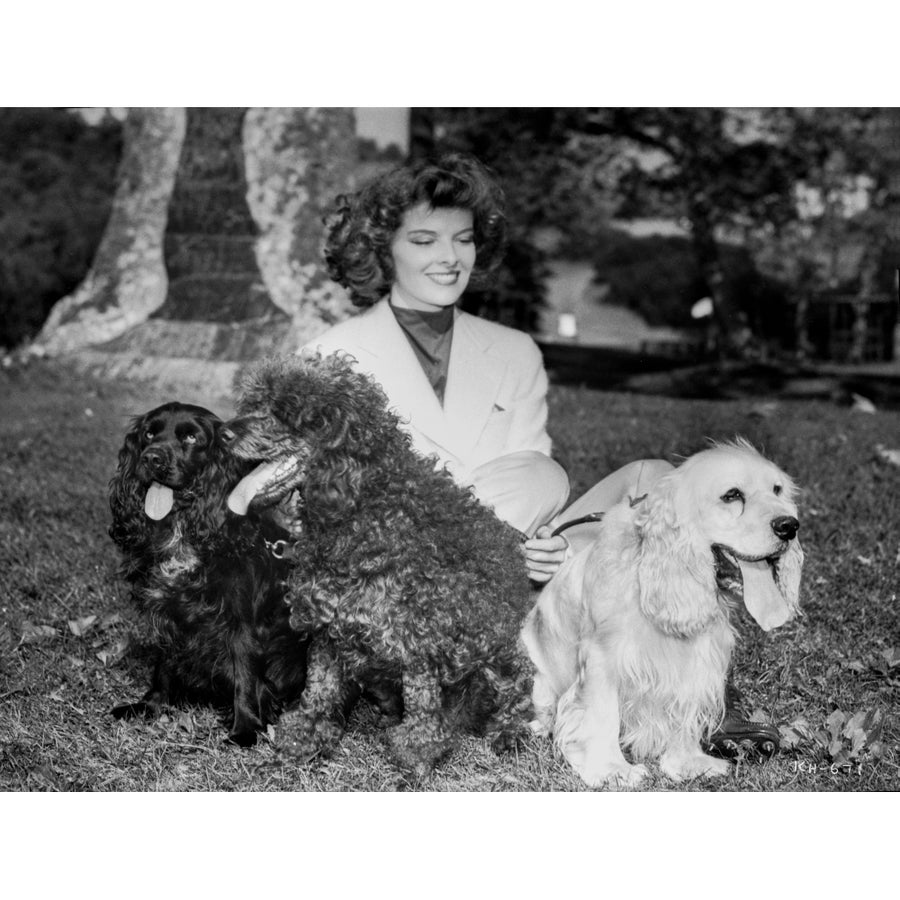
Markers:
567,326
702,309
862,404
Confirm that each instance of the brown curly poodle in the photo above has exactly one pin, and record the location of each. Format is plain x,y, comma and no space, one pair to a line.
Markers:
400,575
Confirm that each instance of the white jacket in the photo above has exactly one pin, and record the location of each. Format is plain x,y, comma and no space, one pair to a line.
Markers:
496,396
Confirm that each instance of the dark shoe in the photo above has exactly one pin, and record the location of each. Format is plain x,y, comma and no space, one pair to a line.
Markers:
734,736
738,734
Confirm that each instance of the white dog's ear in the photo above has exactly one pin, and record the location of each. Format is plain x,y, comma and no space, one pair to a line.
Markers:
676,568
790,568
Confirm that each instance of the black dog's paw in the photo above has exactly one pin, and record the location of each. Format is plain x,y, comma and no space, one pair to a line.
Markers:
140,709
509,740
243,738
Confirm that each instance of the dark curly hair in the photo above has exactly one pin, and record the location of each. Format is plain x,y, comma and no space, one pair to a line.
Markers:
363,224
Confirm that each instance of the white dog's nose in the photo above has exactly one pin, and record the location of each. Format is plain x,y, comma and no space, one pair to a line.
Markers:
785,527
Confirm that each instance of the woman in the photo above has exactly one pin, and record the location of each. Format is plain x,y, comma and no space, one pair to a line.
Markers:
470,392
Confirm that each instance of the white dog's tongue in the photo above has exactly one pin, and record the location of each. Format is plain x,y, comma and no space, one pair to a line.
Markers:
158,502
761,595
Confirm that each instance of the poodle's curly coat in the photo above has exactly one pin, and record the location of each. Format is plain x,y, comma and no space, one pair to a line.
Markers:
401,575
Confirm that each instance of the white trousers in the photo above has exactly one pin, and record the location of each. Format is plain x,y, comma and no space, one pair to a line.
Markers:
526,489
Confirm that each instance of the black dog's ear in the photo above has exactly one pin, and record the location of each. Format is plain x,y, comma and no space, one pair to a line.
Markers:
219,474
126,500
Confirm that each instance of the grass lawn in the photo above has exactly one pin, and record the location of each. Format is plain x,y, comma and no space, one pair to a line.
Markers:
71,646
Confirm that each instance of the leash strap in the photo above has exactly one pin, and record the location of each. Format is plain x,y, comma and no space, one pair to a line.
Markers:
590,517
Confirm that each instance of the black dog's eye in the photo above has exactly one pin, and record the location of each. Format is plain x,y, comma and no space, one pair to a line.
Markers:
189,439
148,436
733,496
777,490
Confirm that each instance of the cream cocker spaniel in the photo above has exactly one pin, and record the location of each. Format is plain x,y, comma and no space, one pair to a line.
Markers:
631,639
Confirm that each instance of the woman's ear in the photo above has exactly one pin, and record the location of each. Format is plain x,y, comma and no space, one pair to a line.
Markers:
676,568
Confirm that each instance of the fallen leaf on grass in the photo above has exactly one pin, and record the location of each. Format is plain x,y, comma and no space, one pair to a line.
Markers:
36,634
796,733
862,404
764,410
111,655
888,455
110,619
78,627
47,779
864,560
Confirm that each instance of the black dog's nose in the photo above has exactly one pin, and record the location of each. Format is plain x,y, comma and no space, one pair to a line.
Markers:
155,458
785,527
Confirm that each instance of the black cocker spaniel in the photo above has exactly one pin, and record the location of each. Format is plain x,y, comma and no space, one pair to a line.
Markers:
210,584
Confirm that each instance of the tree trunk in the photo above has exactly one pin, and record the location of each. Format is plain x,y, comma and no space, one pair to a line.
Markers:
245,193
127,280
297,162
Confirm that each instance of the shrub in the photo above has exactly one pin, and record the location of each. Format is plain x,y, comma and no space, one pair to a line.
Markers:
57,179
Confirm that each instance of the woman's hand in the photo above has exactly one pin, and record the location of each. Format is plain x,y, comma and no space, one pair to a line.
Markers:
544,554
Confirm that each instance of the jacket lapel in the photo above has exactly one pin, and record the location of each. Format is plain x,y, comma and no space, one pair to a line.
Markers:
473,380
394,364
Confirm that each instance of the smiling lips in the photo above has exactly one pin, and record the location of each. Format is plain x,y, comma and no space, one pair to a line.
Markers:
444,278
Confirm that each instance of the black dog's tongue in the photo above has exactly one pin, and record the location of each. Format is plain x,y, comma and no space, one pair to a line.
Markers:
159,501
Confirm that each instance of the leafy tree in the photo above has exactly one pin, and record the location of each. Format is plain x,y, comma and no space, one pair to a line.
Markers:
57,176
728,174
725,172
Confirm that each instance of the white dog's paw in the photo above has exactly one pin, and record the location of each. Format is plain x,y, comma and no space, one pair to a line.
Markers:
613,776
679,766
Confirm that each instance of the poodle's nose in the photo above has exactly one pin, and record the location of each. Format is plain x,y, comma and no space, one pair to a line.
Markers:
785,527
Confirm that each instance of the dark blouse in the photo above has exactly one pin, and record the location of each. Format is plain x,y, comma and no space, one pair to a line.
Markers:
430,334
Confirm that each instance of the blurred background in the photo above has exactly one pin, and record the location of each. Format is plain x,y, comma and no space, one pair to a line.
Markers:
147,240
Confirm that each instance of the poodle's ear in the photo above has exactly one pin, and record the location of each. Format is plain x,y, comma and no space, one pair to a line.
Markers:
126,498
790,569
331,489
676,568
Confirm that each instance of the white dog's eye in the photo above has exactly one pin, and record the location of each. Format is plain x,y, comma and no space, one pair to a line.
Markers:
733,496
777,490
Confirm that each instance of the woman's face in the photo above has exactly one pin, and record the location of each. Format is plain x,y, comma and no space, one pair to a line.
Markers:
433,252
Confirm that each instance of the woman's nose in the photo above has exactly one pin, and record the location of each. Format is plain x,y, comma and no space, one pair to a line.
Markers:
447,253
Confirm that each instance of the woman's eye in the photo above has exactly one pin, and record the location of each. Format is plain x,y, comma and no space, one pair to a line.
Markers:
733,496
